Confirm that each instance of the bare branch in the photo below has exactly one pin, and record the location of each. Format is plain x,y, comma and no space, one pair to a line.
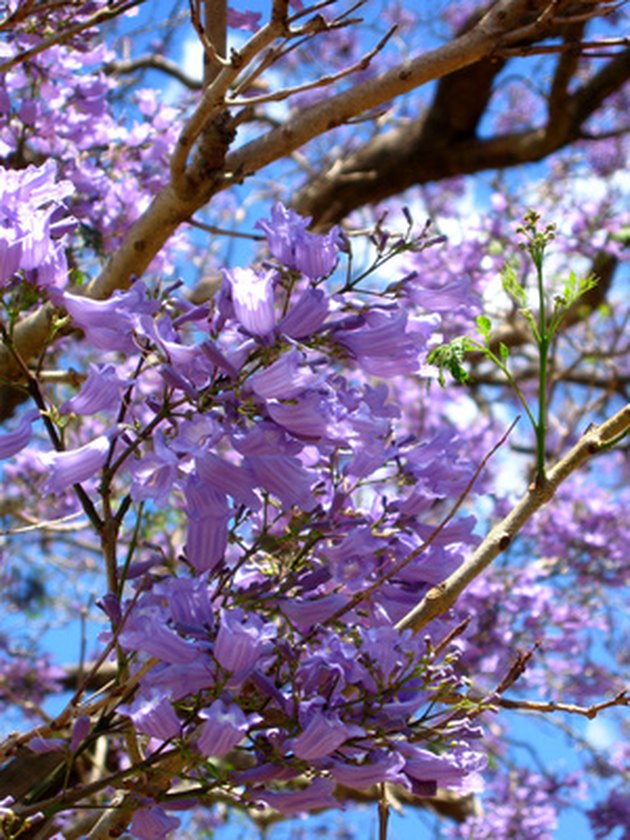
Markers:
323,81
152,62
442,597
620,699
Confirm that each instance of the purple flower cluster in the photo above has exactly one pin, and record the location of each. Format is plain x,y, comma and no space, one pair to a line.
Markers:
32,225
520,804
273,635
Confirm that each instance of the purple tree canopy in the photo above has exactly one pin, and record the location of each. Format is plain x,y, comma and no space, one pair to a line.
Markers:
314,374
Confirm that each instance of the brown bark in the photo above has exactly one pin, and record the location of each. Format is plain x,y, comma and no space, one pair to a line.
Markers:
444,143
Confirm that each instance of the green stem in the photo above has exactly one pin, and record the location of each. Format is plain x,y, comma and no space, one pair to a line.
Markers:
543,353
508,375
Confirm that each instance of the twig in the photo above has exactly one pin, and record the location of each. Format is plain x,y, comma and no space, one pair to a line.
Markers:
152,62
620,699
323,81
579,46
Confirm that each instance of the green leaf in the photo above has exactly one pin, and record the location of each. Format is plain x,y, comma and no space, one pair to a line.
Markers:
484,325
504,351
512,286
450,357
575,287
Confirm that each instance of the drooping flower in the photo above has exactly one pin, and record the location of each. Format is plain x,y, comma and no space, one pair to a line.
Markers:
306,316
80,731
101,392
285,378
253,299
237,481
378,766
384,345
458,769
13,442
295,247
323,734
153,715
74,466
30,236
110,324
225,726
317,795
147,631
208,517
153,823
284,477
241,641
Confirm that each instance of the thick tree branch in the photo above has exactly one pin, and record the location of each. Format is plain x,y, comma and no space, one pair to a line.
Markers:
443,143
439,599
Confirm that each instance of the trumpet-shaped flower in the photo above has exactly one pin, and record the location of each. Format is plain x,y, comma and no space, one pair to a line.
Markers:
225,726
292,245
74,466
253,299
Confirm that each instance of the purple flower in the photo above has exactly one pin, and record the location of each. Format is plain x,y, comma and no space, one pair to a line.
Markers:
80,731
13,442
226,725
29,199
458,769
253,299
181,680
285,477
378,767
292,245
147,632
154,716
384,346
208,517
249,21
306,316
304,613
100,392
612,813
153,823
110,324
155,473
285,378
237,481
75,465
322,735
305,417
241,642
189,604
318,795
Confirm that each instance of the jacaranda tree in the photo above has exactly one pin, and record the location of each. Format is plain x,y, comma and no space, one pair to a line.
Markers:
314,387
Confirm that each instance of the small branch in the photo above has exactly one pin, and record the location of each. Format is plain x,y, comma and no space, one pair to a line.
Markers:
585,48
219,231
212,103
152,62
323,81
620,699
439,599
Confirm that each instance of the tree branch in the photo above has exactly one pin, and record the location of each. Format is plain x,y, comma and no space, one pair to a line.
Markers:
439,599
